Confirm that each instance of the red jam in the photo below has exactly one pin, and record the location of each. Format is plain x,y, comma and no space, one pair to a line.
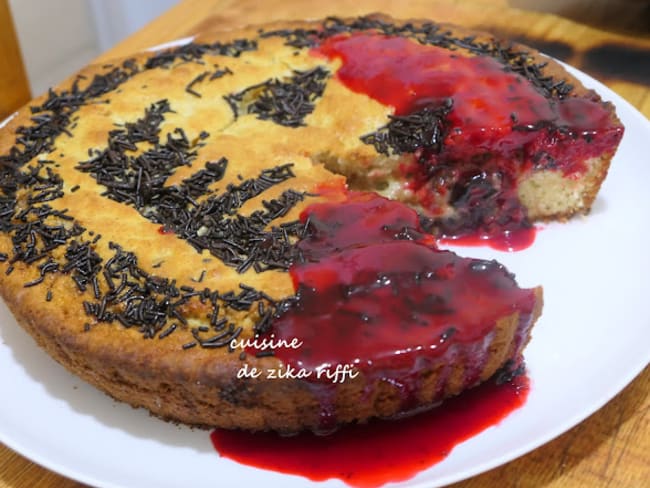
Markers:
379,452
370,269
376,295
500,126
509,240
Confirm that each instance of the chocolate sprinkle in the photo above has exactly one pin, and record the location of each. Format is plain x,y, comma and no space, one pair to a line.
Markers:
190,210
285,102
200,278
510,55
218,73
423,130
36,229
126,294
167,331
117,290
83,264
189,88
195,51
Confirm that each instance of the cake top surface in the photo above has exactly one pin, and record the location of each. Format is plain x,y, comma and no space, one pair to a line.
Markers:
166,196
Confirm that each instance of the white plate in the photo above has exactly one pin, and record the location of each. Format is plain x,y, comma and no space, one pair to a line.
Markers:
593,339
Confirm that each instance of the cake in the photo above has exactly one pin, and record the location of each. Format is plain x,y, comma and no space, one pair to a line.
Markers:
240,232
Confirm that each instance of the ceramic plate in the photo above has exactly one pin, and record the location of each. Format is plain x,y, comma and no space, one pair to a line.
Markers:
591,341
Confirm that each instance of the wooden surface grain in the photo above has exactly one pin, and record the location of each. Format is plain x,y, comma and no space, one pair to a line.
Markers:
609,449
14,88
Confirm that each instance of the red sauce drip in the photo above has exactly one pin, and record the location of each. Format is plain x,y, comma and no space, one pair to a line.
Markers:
380,452
163,231
499,124
509,241
371,270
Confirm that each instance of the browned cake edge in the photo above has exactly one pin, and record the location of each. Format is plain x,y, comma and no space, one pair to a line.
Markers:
203,391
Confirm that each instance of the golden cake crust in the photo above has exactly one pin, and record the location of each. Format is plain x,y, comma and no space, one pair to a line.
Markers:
192,384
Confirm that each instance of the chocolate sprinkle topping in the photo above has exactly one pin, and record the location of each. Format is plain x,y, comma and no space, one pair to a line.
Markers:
190,210
422,130
118,290
83,264
147,302
189,88
510,55
199,78
194,52
285,102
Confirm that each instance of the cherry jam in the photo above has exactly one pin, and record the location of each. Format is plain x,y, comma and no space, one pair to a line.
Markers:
380,452
375,294
499,127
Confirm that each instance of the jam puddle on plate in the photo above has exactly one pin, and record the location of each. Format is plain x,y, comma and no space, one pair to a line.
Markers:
379,452
507,241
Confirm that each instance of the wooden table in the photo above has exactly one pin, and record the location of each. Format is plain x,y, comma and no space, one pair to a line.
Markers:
14,88
609,449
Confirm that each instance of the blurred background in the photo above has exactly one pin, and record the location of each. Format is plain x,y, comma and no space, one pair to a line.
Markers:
57,37
76,31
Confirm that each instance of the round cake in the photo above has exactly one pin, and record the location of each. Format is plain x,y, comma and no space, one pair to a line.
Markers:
241,232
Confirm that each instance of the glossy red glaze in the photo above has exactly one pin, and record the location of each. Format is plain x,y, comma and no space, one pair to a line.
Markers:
377,295
510,241
380,452
500,124
489,102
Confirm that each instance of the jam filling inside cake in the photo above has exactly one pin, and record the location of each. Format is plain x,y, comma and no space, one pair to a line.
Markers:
467,128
